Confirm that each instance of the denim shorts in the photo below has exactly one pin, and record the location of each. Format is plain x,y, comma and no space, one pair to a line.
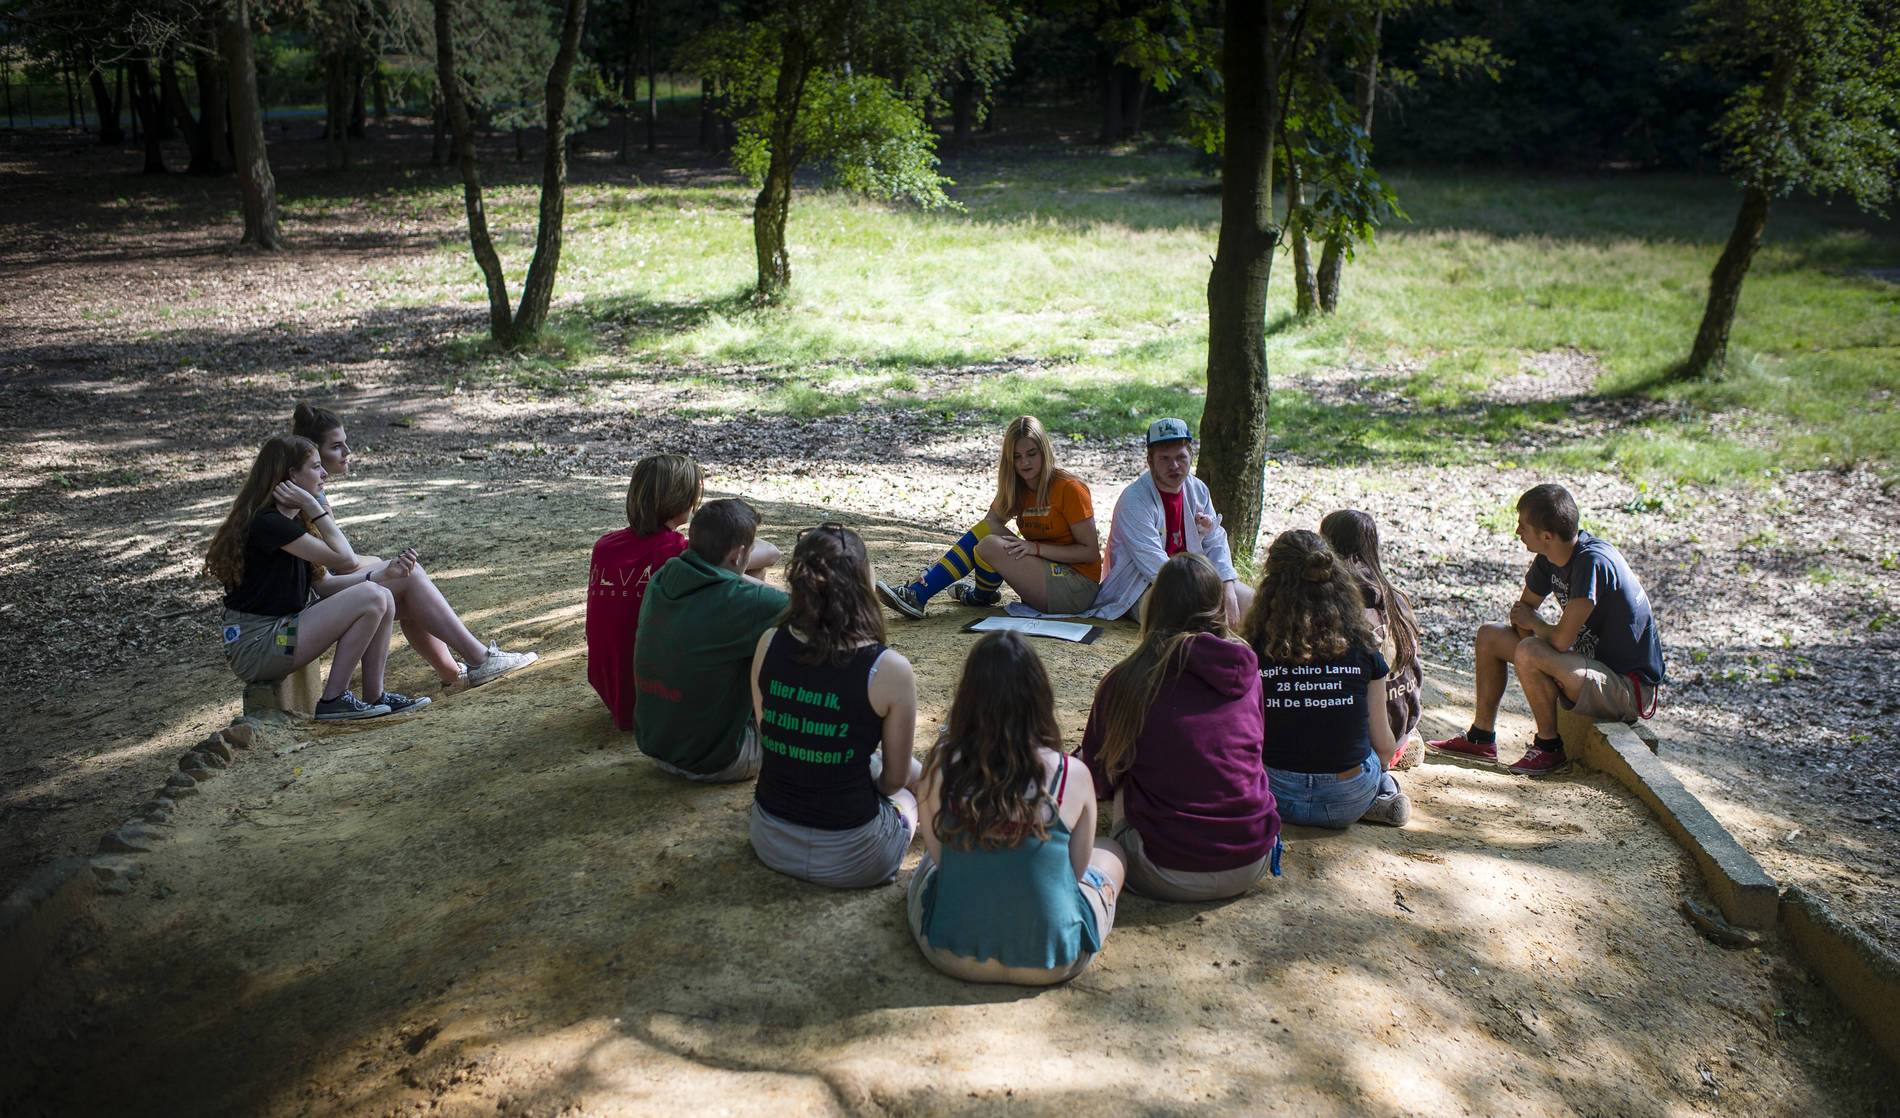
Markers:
1324,799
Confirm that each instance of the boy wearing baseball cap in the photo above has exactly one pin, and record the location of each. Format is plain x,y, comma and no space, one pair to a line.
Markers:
1165,511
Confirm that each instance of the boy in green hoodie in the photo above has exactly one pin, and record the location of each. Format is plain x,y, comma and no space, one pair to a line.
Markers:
699,625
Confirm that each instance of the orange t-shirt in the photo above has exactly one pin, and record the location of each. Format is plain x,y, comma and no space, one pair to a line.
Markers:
1068,506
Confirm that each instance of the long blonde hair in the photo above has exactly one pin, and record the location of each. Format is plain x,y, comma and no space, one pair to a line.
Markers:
1009,486
1184,603
277,459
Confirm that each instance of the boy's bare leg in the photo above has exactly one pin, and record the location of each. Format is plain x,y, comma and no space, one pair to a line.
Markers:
1545,673
1496,651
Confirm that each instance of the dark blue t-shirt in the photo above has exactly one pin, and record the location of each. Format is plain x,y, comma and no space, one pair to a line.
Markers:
1621,631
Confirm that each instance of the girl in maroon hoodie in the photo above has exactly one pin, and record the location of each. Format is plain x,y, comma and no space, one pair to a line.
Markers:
1174,740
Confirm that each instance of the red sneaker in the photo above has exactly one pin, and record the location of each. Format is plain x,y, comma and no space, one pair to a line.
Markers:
1541,762
1462,746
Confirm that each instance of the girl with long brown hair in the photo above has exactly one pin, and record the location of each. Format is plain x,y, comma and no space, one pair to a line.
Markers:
1013,887
1054,559
432,626
837,710
282,607
1328,742
1174,740
1354,537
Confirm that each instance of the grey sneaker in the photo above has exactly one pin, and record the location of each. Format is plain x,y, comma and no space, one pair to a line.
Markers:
966,594
498,664
1394,809
397,702
347,706
901,598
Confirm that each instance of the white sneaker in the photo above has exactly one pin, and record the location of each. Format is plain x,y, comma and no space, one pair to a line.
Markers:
498,664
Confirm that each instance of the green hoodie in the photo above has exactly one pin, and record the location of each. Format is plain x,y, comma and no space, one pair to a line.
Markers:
692,661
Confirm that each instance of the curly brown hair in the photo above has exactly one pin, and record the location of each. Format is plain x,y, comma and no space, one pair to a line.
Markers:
1004,710
834,606
1309,607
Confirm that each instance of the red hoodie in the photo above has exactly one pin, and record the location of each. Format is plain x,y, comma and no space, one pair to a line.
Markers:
1197,792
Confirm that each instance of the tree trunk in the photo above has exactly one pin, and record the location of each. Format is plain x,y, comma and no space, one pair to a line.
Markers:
962,113
1725,284
501,325
213,126
336,110
439,144
110,132
257,188
379,90
1134,98
537,291
204,160
774,204
1305,293
1332,259
653,108
1234,421
357,114
1112,130
708,119
145,103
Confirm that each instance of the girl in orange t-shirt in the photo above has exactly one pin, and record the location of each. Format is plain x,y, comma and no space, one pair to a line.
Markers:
1054,558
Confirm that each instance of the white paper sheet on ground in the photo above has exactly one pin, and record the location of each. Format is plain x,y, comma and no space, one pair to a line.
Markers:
1034,627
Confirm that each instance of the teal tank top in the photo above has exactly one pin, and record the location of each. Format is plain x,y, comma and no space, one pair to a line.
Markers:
1019,905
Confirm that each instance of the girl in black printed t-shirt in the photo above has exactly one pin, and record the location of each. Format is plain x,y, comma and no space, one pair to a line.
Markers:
1322,686
279,612
836,801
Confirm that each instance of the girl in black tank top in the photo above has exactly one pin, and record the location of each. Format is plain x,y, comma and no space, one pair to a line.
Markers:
818,734
830,697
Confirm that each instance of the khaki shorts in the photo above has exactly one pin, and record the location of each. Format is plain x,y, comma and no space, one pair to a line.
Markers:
259,647
1607,696
1069,590
743,767
1150,880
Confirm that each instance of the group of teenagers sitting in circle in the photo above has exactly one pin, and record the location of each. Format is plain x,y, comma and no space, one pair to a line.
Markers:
1239,708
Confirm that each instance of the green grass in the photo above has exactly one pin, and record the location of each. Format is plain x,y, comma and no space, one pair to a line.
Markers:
1073,284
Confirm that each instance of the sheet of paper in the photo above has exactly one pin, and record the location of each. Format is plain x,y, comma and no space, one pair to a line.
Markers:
1035,627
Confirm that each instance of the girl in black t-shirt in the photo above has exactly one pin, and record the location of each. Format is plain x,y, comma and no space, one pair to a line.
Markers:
1322,685
277,616
837,710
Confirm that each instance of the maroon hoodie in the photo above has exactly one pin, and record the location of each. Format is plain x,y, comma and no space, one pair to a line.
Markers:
1197,792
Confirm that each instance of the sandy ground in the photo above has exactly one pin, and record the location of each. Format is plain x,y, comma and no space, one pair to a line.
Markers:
496,906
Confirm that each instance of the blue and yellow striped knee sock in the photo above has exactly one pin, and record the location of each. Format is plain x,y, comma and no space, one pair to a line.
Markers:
960,560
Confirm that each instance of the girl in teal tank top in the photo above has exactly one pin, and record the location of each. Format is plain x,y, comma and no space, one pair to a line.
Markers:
1014,886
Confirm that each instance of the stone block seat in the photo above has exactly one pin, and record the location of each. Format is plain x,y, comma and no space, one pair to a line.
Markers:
294,695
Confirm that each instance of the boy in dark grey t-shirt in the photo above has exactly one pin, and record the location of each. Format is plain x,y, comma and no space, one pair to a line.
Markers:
1602,658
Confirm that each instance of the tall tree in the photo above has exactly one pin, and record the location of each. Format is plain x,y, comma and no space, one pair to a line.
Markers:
511,328
1818,110
257,187
803,88
1256,43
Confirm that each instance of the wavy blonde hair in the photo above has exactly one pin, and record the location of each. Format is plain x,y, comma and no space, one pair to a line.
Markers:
1185,603
1010,487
